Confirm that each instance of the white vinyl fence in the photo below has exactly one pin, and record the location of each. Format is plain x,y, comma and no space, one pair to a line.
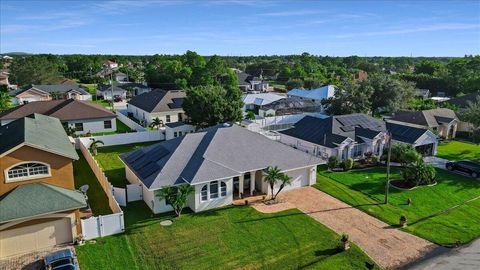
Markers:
134,192
125,138
121,115
283,120
100,226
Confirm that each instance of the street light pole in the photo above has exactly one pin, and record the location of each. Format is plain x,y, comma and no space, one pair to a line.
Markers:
387,187
111,86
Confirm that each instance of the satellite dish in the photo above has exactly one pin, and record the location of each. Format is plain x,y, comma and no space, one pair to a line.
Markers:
84,189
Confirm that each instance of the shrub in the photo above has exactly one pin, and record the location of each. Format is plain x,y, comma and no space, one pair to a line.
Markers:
374,160
348,164
344,238
404,154
332,162
419,173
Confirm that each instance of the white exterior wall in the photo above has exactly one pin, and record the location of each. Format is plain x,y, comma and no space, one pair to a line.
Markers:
156,205
148,117
107,95
199,205
308,147
94,125
181,130
428,138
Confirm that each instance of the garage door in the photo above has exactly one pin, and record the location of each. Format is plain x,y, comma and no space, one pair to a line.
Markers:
39,236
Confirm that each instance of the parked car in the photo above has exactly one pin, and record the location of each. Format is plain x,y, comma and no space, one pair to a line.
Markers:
61,260
117,98
466,166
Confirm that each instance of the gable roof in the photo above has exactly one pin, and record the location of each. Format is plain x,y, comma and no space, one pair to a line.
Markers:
54,88
261,99
64,110
323,92
245,78
334,130
42,199
41,132
292,105
216,153
159,100
404,133
462,102
429,118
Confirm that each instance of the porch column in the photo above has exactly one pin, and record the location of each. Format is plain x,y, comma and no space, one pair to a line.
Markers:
252,182
240,185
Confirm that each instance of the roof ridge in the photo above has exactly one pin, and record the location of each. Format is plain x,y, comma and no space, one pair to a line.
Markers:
58,189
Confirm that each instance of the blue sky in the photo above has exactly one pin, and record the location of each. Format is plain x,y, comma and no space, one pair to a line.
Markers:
242,27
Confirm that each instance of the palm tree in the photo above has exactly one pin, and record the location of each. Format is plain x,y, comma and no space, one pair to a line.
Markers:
94,146
272,175
286,180
156,122
176,196
472,115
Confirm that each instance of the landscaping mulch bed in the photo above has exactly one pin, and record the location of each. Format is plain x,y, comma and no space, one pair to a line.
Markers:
407,185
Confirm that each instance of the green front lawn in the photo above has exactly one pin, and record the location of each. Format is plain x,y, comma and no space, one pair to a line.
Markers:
108,159
456,150
226,238
364,189
96,196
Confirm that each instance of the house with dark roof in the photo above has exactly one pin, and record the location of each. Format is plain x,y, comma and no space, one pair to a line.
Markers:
352,136
83,116
166,105
221,163
39,206
251,84
290,105
36,92
462,101
442,121
106,92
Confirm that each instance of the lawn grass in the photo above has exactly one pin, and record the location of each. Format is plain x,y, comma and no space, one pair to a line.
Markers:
226,238
456,150
108,159
364,189
96,196
121,128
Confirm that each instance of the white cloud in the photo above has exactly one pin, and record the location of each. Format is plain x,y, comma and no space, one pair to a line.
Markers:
290,13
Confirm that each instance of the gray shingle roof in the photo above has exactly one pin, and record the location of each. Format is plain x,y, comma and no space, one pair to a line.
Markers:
430,118
41,132
462,102
216,153
42,199
64,110
159,100
54,88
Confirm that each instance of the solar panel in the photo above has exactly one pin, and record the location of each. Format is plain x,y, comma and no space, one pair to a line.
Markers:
141,162
158,152
347,128
148,170
134,156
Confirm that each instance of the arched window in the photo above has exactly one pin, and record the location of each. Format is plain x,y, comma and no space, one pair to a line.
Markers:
213,190
204,193
223,189
28,171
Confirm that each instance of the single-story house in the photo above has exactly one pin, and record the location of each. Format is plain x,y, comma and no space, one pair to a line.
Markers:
287,106
34,92
352,136
137,88
462,101
222,163
251,84
121,77
255,101
166,105
110,64
39,206
442,121
177,129
360,76
83,116
315,95
105,91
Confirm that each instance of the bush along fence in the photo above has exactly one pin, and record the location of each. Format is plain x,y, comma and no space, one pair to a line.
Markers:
102,225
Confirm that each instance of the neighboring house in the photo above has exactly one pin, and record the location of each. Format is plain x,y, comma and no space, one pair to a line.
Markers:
255,101
39,206
166,105
287,106
4,78
360,76
221,163
46,92
442,121
177,129
137,88
83,116
121,77
352,136
105,91
110,64
422,93
315,95
462,102
251,84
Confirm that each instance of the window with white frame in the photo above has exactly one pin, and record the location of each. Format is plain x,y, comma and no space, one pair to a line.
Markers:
28,170
213,190
223,189
204,193
357,150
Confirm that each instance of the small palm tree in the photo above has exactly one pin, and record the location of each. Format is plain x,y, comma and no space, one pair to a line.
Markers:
176,196
272,175
94,146
286,180
156,122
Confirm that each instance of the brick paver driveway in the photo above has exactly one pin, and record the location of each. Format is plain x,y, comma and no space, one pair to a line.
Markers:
389,247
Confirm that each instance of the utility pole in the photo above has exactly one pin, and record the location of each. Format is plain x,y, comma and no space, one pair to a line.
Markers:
387,187
111,86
